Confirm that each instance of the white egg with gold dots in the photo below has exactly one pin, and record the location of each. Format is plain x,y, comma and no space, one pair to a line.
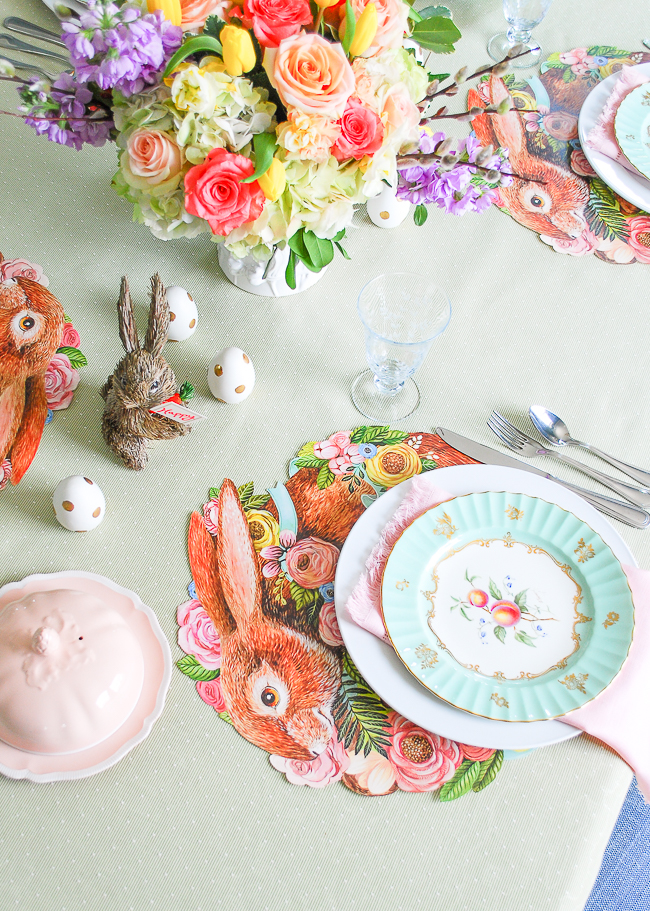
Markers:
79,504
183,314
231,376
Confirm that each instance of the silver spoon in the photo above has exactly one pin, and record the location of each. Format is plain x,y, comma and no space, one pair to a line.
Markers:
15,44
553,429
23,27
21,66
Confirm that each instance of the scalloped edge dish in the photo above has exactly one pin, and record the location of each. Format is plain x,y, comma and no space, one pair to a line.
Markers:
143,622
602,611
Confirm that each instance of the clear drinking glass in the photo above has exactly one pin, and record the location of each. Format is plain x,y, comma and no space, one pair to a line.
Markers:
522,16
402,313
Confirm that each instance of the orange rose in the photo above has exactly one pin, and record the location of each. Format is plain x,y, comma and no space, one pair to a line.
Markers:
195,12
311,74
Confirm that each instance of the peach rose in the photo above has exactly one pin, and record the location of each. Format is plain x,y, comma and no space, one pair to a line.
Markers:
20,268
61,380
401,116
362,132
195,12
274,20
328,625
151,158
311,562
308,136
580,164
422,761
392,22
311,74
211,692
561,125
214,191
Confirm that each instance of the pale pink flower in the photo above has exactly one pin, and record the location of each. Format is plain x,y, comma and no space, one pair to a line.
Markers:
340,465
197,635
195,12
311,562
5,473
575,56
308,136
71,337
326,450
372,774
573,246
616,251
328,625
151,158
211,515
211,692
327,768
21,268
340,439
422,761
61,380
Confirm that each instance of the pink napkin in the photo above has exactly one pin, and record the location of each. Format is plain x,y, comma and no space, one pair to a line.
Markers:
602,137
619,716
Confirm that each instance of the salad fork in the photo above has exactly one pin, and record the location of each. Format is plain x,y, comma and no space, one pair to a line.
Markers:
528,447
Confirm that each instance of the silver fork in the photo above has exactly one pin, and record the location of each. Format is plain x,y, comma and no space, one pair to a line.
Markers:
528,447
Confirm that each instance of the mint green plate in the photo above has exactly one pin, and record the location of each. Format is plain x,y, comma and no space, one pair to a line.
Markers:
507,606
632,128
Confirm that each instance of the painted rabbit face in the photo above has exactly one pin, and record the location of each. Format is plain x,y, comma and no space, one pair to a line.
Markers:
31,325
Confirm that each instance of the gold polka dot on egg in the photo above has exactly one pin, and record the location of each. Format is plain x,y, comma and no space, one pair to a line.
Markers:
67,505
218,369
239,389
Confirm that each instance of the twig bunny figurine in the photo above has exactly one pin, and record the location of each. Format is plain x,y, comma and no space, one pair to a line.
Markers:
142,379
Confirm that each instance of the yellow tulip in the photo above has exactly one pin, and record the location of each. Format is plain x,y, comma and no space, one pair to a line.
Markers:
274,181
171,9
365,31
325,4
238,51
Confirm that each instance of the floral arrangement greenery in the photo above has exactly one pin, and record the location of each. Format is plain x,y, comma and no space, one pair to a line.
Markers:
264,122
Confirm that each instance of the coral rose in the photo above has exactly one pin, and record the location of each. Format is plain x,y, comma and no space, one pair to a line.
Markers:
476,754
211,692
20,268
640,238
327,768
70,337
392,22
393,464
328,625
211,514
580,164
362,132
197,635
195,12
311,562
422,761
61,380
311,74
151,158
213,191
274,20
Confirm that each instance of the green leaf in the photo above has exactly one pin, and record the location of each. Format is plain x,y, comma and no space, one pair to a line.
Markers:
524,638
213,26
245,492
309,462
290,271
603,213
606,50
462,610
76,358
213,493
428,464
494,591
380,436
420,214
520,598
469,578
186,392
339,235
500,633
321,251
342,250
265,146
299,247
197,45
489,771
259,501
462,782
568,76
436,34
429,12
360,715
306,599
225,716
350,27
325,477
414,16
191,667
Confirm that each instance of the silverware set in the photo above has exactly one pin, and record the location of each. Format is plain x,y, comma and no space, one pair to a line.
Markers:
31,30
555,432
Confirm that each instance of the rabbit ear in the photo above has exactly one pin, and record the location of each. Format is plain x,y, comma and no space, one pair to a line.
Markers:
158,326
508,128
203,562
128,331
239,569
482,125
29,433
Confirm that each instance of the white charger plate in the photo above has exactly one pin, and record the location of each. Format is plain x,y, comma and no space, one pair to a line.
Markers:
635,189
378,662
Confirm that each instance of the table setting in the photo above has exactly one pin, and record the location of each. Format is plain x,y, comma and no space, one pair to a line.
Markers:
381,565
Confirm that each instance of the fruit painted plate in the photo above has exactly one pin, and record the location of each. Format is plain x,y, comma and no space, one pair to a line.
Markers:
507,606
632,128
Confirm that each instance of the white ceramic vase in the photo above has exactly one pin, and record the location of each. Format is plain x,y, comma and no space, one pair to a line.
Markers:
386,210
248,274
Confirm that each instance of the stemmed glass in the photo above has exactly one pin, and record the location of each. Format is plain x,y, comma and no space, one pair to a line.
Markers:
523,16
402,313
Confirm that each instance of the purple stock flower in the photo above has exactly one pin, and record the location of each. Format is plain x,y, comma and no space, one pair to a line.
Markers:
62,113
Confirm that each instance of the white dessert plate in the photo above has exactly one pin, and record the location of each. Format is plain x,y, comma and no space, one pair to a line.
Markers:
157,657
635,189
379,663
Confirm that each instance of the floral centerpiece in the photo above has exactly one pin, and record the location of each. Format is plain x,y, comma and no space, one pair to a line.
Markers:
266,122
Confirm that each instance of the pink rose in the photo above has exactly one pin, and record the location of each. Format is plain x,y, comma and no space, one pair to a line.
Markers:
340,465
311,562
213,191
561,125
20,268
311,74
392,22
422,761
211,514
328,625
195,12
61,380
211,692
580,164
340,439
5,473
327,768
274,20
372,774
70,337
362,132
476,754
151,158
574,246
197,635
640,237
575,56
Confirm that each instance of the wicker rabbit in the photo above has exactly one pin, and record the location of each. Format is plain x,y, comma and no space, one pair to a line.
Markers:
279,684
142,379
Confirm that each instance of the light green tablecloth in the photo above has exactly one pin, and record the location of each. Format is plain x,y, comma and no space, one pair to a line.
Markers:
195,817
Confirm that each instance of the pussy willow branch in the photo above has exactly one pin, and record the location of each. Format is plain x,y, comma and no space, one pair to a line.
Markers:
453,88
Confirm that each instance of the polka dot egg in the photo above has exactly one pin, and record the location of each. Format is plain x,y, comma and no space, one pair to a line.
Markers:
231,376
183,315
79,504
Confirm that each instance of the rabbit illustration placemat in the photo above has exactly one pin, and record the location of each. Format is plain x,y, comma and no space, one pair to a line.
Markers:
571,208
260,635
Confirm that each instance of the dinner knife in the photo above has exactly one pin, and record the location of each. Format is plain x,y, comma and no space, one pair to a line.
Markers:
624,512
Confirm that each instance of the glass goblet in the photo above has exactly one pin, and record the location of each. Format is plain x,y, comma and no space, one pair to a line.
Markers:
402,313
522,16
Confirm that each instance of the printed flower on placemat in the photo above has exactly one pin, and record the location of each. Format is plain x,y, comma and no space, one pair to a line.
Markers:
197,635
61,380
327,768
422,761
